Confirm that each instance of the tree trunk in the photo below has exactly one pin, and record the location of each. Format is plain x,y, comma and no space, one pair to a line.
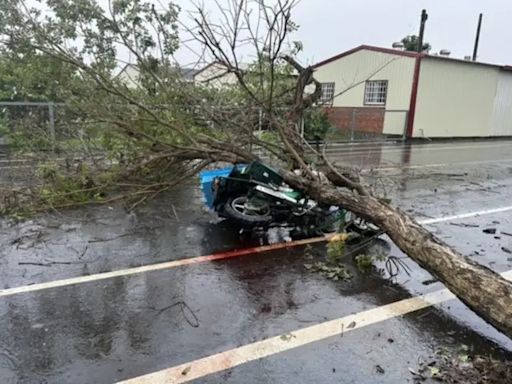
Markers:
484,291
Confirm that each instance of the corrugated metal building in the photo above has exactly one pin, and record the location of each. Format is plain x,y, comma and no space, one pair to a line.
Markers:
393,92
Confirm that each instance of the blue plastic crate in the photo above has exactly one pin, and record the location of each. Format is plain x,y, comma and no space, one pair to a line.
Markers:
206,178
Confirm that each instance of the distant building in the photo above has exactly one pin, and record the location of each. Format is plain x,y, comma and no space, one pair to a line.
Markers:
395,92
217,75
129,74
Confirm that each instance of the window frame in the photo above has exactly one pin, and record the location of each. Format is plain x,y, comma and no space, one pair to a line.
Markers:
329,101
375,103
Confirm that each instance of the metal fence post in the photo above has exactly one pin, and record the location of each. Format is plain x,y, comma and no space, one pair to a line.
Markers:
404,134
352,124
51,114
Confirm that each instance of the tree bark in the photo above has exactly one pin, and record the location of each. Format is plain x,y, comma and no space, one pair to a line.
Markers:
484,291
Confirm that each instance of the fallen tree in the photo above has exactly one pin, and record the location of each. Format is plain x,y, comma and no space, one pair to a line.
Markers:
161,123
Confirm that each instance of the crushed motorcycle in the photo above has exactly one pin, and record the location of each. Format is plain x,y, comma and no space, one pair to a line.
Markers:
255,197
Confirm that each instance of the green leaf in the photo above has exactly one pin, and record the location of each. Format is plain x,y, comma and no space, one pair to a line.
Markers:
434,371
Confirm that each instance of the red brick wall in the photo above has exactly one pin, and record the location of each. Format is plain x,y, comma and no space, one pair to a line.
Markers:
366,119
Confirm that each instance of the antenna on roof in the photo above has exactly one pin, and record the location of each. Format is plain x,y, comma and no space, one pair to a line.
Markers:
477,38
424,18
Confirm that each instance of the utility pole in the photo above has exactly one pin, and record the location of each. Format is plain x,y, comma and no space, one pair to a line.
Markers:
477,38
424,18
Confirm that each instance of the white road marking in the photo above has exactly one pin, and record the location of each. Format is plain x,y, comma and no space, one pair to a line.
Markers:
200,259
438,165
161,266
465,215
202,367
418,148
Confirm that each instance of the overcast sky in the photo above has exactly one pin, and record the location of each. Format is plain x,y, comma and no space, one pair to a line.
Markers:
332,26
328,27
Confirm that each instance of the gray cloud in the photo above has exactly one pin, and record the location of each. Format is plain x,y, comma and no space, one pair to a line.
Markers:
332,26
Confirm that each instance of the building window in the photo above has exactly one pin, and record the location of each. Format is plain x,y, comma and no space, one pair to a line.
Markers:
327,93
375,92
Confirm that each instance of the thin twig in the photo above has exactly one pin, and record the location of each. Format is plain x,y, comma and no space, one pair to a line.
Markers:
175,213
188,314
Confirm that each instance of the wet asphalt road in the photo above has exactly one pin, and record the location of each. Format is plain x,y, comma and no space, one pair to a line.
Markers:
119,328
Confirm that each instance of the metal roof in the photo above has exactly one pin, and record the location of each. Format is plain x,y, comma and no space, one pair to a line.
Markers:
408,54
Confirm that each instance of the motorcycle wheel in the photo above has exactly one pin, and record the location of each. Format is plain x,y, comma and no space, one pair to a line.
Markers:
237,210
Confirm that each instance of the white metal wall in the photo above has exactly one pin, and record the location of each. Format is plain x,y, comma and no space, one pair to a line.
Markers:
350,73
454,99
501,122
216,76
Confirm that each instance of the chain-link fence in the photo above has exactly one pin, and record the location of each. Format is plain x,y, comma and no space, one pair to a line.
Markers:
33,133
47,126
36,127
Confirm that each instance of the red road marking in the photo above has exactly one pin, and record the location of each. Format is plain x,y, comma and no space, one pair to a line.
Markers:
159,266
252,250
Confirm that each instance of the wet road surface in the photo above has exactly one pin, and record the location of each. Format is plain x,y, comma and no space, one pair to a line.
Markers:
120,328
387,156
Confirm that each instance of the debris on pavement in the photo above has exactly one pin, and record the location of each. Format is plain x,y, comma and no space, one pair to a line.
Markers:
465,369
287,337
333,272
465,225
458,366
507,250
186,370
379,369
490,231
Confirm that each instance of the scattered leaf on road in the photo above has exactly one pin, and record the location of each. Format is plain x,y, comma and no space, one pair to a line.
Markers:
186,370
464,358
287,337
434,371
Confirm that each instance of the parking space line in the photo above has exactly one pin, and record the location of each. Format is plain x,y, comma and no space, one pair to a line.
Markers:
231,358
212,257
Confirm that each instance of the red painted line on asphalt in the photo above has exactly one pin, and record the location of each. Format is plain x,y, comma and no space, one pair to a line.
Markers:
201,259
160,266
253,250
